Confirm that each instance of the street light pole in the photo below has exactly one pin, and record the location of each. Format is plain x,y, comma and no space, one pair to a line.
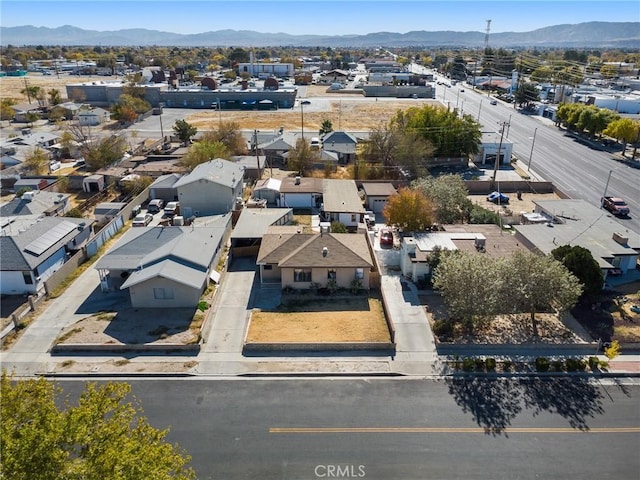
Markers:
302,118
606,186
479,108
219,112
532,144
161,105
508,126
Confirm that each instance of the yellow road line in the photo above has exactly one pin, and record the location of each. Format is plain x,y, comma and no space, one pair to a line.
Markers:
448,430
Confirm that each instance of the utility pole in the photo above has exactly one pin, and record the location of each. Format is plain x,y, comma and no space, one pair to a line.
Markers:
255,146
532,144
497,162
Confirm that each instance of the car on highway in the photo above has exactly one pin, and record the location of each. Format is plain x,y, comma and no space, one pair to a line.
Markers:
142,220
386,237
493,101
498,197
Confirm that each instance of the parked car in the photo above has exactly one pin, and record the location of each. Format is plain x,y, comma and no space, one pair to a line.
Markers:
498,197
142,220
615,205
386,237
155,206
172,208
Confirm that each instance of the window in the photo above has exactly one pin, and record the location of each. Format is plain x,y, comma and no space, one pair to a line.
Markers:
162,293
28,279
301,275
267,267
331,274
353,217
359,273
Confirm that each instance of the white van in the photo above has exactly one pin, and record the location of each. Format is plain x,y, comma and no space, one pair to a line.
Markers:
172,208
315,143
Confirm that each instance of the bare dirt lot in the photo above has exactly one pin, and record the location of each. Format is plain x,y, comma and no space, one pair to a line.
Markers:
321,321
347,111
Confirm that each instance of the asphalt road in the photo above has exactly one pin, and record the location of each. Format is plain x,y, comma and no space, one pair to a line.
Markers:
580,171
398,429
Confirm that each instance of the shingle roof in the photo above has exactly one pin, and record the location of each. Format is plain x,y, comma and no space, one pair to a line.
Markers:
306,185
378,189
306,250
253,222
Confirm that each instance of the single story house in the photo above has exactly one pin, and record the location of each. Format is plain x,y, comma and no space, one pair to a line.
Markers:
576,222
275,149
376,195
302,260
493,144
485,239
268,189
37,203
34,249
211,188
164,267
301,192
93,117
342,203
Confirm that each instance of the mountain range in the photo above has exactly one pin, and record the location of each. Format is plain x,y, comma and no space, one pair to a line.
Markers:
581,35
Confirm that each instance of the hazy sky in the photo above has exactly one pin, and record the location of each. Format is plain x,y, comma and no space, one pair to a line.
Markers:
314,17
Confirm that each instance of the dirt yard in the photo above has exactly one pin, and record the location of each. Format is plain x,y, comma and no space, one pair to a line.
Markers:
321,321
347,111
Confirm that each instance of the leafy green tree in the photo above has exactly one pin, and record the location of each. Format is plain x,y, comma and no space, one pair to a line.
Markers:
338,227
103,436
594,119
31,92
409,210
184,130
6,108
449,196
31,118
450,135
542,74
530,282
526,94
625,130
54,96
467,282
581,263
481,215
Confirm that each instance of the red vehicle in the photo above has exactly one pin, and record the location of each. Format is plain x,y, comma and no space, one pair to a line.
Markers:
616,205
386,237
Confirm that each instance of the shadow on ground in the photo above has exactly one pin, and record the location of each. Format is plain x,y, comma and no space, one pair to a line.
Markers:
494,403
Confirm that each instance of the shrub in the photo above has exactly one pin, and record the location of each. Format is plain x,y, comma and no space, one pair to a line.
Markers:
468,364
479,364
582,365
443,328
202,305
542,364
506,365
613,350
491,364
572,365
557,365
594,363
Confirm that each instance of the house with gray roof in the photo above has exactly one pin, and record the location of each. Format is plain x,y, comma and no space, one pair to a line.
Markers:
211,188
300,260
376,194
33,249
576,222
268,189
342,143
36,203
342,203
253,166
163,188
164,267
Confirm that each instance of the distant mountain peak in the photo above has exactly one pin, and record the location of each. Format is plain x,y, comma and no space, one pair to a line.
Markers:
582,35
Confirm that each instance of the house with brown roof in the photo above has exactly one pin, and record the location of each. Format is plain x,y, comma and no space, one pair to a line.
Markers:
302,260
301,192
376,195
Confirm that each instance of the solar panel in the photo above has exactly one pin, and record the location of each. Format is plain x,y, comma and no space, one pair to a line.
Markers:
50,238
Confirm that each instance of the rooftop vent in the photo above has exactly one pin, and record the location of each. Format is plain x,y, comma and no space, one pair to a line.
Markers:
325,251
297,179
620,238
